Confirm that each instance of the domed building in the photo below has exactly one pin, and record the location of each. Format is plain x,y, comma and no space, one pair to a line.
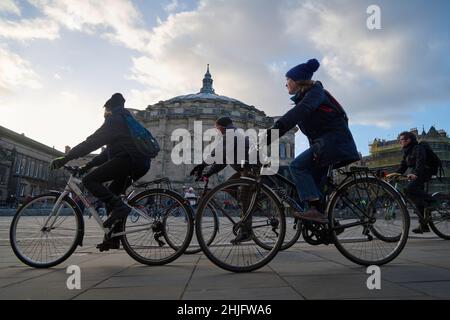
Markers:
207,106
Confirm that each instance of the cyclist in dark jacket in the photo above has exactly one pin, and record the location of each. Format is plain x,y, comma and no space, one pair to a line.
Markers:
414,164
234,159
117,163
325,124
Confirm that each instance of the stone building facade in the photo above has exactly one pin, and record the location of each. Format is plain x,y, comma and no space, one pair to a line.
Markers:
164,117
24,165
387,155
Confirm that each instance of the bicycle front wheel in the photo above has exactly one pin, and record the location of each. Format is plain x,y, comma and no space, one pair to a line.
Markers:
43,235
263,231
163,230
369,220
440,216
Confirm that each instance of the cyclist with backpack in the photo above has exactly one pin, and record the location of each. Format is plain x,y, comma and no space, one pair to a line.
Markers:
121,159
324,122
420,163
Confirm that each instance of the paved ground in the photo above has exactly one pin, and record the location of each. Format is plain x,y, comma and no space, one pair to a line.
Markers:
422,271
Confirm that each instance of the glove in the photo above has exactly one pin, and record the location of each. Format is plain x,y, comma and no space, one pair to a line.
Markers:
84,169
198,170
202,178
58,163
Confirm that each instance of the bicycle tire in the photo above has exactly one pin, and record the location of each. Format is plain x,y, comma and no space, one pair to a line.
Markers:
442,210
206,249
399,201
77,239
178,250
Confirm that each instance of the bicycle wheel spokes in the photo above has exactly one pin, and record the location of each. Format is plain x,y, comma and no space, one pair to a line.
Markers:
373,222
264,229
42,242
440,219
163,230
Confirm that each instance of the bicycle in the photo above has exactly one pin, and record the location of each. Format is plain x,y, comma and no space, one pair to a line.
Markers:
293,232
46,230
437,215
350,227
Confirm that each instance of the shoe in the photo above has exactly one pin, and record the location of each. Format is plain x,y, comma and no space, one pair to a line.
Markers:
117,214
245,234
107,245
312,215
421,229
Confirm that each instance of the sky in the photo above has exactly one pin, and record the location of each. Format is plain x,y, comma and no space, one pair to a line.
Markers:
60,60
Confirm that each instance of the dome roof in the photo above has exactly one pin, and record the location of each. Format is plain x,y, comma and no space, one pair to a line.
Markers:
206,93
204,96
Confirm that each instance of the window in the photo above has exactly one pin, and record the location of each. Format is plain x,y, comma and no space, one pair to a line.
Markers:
32,169
23,165
17,164
22,190
40,171
2,175
28,168
282,151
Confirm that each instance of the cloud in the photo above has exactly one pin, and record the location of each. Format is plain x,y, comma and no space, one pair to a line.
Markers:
172,6
15,73
9,6
379,76
29,29
118,21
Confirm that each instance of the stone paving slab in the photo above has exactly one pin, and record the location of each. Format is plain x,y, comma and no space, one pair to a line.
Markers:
422,271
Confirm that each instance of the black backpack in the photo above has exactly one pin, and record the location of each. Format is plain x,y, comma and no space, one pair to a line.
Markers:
433,161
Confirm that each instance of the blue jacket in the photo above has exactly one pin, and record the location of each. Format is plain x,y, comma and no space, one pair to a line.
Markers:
326,128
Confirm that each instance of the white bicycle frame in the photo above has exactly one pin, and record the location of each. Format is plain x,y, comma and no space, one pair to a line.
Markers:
73,186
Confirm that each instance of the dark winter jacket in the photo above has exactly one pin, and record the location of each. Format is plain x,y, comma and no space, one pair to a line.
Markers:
227,158
414,158
115,135
326,129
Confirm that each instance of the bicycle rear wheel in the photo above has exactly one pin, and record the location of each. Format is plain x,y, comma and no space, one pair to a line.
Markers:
42,239
266,226
164,228
366,236
440,217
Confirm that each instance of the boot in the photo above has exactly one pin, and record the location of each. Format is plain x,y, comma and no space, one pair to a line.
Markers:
422,228
119,211
245,233
110,243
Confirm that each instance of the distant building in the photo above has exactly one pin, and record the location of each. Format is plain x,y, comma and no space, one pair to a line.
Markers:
387,155
24,165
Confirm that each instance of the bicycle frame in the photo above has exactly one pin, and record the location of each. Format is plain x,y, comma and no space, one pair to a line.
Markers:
73,187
